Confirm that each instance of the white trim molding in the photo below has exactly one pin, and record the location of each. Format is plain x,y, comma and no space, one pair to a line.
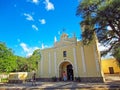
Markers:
49,67
83,59
96,59
75,62
55,58
41,64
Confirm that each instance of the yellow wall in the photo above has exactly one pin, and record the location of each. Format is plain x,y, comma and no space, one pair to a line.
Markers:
111,62
20,75
84,59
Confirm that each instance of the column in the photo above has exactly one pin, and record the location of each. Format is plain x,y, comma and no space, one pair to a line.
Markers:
96,58
41,64
75,62
83,59
55,63
49,67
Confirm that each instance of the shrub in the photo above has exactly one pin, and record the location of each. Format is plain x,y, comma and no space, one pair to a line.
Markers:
54,78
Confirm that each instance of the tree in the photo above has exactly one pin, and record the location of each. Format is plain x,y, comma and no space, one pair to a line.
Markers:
103,18
33,60
116,54
22,64
7,59
12,63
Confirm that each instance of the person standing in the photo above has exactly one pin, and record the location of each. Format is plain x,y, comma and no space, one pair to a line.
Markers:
34,79
64,76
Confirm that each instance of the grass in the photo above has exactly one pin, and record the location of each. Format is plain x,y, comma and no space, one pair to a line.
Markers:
4,80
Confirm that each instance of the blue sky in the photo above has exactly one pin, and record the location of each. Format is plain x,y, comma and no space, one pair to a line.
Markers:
26,25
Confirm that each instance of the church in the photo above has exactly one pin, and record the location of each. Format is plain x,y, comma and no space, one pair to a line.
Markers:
71,56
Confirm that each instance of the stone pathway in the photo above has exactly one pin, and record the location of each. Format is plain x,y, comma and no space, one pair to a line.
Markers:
110,84
61,85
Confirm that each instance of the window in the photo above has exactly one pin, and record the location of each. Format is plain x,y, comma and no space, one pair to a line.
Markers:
111,70
64,54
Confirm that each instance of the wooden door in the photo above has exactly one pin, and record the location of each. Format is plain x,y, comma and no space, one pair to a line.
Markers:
111,70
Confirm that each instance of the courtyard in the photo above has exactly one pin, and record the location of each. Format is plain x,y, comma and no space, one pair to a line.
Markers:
112,82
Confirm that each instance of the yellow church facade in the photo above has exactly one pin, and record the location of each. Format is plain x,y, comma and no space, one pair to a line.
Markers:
71,56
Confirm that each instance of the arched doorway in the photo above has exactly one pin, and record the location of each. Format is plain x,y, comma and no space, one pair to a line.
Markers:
68,68
70,72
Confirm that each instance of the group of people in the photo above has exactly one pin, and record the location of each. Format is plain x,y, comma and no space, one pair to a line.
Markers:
67,77
64,75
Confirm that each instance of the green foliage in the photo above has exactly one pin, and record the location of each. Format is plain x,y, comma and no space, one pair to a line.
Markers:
22,64
4,80
33,60
12,63
97,16
36,54
29,63
116,53
7,59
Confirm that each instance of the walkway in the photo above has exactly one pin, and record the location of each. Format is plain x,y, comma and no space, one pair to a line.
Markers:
61,85
111,83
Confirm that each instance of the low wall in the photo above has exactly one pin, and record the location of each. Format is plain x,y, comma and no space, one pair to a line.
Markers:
3,76
19,77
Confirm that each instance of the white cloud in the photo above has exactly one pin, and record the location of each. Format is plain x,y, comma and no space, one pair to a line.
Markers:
43,46
109,28
49,5
107,56
33,1
28,17
42,21
55,39
78,39
28,50
35,27
24,46
103,48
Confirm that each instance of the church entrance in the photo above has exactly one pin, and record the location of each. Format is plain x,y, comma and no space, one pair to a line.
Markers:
69,72
68,69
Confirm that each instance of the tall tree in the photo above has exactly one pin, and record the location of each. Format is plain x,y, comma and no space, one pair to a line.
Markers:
22,64
7,59
33,60
116,54
102,17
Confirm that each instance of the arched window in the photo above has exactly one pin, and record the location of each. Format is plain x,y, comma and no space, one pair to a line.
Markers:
64,54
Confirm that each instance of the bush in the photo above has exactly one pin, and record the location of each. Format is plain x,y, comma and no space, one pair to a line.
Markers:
4,80
54,78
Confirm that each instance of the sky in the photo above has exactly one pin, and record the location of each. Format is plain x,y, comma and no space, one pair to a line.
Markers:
26,25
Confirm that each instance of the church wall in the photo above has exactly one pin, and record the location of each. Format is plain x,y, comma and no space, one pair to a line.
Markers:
45,64
84,60
81,65
60,57
52,63
90,61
